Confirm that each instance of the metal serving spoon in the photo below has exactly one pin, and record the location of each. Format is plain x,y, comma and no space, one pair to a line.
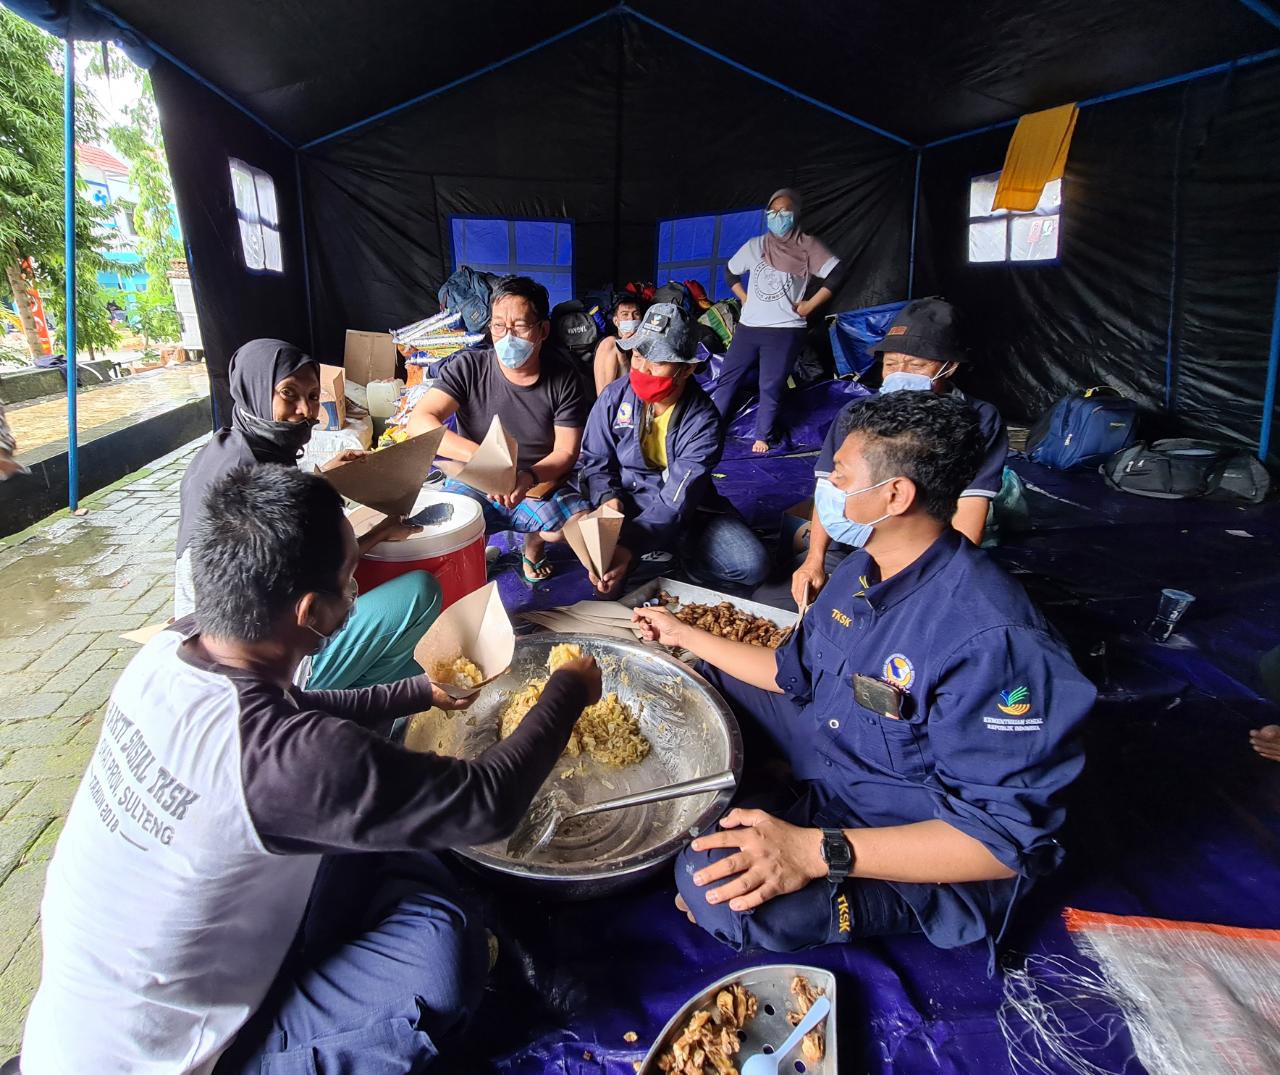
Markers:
548,813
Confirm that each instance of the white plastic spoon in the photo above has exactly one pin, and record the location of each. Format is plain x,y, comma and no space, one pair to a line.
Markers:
769,1063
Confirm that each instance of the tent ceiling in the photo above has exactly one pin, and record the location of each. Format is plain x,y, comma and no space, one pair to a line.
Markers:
918,68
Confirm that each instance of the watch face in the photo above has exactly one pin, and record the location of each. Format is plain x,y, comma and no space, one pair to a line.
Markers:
836,850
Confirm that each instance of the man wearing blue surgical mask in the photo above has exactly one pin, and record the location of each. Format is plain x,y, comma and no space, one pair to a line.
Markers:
541,403
920,353
612,361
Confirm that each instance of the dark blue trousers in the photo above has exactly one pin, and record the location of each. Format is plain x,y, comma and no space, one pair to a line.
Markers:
774,351
821,912
389,967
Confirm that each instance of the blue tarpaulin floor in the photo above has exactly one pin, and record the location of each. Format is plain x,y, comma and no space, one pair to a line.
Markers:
1175,816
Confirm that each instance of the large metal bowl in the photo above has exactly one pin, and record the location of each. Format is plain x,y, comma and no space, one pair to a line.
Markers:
692,733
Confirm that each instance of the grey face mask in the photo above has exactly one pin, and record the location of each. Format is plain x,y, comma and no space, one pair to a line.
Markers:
326,639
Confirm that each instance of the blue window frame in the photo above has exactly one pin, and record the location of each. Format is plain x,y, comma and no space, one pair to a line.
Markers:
542,249
699,247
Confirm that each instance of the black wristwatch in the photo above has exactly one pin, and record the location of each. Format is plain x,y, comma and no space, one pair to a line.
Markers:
837,854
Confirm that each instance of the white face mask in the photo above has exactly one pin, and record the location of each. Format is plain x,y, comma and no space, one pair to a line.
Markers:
628,328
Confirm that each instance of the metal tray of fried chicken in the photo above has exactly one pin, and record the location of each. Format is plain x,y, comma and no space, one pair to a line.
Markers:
771,985
683,594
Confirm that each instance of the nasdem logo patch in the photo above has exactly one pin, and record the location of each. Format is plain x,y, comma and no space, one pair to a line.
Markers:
624,414
899,671
1015,702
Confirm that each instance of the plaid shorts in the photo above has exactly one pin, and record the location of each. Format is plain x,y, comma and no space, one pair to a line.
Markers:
530,516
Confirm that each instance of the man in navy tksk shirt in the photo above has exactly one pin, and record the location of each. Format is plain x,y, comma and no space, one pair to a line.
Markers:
920,352
929,714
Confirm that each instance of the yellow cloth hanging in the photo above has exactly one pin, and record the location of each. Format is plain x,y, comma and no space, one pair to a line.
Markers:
1037,155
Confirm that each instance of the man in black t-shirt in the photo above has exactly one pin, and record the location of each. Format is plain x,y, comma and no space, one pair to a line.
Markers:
542,405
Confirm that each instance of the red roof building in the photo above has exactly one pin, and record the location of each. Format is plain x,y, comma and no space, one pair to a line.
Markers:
95,157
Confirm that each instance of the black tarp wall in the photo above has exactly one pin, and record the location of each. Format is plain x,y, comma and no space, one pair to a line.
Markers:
562,133
1171,197
1168,257
201,131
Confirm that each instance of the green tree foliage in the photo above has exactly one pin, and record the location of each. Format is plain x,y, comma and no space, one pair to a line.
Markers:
31,181
141,143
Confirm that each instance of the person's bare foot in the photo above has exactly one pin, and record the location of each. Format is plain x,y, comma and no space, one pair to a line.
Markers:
1266,741
682,906
760,447
535,567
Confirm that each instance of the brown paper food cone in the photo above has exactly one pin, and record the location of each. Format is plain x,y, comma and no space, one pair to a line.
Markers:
492,469
594,536
389,479
476,627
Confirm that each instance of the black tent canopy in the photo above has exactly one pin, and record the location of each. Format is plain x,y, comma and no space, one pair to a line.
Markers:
382,123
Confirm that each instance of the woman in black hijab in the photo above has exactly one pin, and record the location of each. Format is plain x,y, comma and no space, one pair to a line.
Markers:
276,392
275,388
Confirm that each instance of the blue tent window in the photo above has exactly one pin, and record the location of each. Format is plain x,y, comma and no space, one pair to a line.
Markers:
699,247
542,249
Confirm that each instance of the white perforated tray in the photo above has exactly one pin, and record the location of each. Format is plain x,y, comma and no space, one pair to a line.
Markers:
688,594
771,985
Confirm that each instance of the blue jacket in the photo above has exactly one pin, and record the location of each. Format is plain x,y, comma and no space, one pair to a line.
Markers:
612,464
989,735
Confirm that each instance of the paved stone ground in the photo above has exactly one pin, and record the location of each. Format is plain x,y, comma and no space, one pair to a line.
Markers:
68,588
44,421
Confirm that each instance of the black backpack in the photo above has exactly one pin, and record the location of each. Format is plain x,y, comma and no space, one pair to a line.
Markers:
1181,468
574,333
673,292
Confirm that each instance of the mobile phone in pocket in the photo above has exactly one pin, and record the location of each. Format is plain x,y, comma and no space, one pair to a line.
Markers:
878,696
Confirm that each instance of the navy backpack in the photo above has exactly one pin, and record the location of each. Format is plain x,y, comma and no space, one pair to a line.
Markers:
1083,429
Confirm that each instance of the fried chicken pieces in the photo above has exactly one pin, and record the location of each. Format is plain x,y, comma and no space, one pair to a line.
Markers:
710,1041
727,621
813,1044
707,1044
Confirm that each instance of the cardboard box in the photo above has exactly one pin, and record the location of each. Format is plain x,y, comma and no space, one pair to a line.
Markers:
369,356
797,520
333,398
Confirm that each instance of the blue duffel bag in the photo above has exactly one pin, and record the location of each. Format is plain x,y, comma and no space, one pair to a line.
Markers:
1083,429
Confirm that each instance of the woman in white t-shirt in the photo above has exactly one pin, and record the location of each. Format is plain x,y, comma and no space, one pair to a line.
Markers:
780,264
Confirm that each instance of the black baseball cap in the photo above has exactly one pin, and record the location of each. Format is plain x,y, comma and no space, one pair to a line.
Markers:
926,328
